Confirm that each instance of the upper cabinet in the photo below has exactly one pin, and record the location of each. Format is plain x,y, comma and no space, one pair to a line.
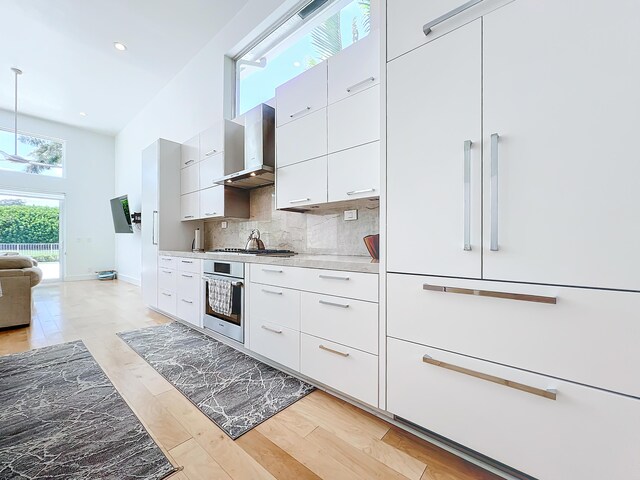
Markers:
190,152
412,23
303,95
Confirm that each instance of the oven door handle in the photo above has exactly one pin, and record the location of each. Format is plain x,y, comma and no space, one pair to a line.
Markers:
233,284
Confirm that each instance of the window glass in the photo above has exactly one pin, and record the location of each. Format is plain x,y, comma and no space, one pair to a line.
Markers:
298,44
44,156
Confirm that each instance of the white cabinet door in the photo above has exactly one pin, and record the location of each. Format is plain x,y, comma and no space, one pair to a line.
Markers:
302,95
190,151
564,103
354,120
434,194
212,202
189,206
302,184
355,68
355,173
212,141
189,179
303,139
211,169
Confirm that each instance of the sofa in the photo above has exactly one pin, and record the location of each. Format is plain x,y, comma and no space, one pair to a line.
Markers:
18,275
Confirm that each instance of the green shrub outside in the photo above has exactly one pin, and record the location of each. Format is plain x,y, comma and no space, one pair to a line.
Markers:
29,224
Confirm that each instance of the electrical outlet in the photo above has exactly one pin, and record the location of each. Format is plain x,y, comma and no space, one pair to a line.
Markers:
224,225
350,215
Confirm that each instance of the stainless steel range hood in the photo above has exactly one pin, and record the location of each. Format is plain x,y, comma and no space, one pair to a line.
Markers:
259,150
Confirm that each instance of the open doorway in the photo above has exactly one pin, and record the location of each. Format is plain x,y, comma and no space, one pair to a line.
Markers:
31,224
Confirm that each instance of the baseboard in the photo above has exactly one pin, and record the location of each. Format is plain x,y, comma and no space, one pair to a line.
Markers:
132,280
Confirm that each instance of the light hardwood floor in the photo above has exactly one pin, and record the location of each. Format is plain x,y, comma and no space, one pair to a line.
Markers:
320,436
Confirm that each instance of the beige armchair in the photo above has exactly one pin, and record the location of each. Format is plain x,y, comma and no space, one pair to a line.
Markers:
18,275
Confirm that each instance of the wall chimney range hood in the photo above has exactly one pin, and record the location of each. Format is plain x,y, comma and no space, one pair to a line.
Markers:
259,151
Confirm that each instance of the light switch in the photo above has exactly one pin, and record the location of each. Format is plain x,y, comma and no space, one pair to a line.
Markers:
350,215
224,224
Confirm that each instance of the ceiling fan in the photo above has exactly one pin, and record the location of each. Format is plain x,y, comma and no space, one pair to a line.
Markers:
15,157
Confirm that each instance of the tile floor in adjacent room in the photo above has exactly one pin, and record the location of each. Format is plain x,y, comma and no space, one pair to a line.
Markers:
320,436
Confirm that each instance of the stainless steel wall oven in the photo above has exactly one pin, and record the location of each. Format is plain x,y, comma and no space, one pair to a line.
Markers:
231,325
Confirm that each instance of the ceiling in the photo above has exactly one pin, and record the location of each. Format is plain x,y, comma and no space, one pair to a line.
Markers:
65,49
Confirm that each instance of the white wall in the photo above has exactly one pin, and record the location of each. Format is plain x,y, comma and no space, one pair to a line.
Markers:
88,186
190,103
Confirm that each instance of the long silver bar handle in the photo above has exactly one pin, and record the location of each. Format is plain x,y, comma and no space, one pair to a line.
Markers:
494,192
363,82
332,277
366,190
337,352
233,284
211,152
154,228
272,292
333,304
549,393
299,200
304,110
467,195
490,293
428,26
264,327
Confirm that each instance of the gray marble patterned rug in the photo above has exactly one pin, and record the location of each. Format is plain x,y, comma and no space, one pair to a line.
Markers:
61,418
234,390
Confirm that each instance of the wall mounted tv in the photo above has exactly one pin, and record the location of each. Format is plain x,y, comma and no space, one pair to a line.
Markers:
121,215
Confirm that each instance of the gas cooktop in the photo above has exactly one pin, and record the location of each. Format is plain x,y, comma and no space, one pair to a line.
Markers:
242,251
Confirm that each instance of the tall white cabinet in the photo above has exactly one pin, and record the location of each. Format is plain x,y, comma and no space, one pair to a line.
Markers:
161,225
512,267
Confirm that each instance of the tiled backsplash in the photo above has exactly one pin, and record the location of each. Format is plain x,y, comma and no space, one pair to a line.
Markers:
318,231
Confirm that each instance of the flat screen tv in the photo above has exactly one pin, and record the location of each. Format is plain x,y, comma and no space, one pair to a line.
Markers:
121,215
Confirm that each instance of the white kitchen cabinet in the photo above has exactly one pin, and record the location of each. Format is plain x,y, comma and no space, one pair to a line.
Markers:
223,201
224,136
275,305
302,184
276,342
304,139
354,173
210,170
190,152
188,292
189,179
354,69
302,95
434,174
167,302
355,120
167,279
189,206
569,437
567,180
406,20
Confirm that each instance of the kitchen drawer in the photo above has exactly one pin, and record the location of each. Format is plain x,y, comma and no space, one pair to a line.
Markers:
189,206
361,286
188,309
566,438
355,120
167,261
302,95
303,139
189,179
275,304
276,275
302,184
278,343
355,68
167,279
167,302
589,336
353,323
345,369
190,152
192,265
188,286
354,173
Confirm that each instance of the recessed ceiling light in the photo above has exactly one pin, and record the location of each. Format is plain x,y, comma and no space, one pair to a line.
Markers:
83,114
120,46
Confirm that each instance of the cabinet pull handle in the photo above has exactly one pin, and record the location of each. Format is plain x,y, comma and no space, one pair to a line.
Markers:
341,305
167,271
273,292
549,393
370,79
356,192
187,276
186,261
428,26
264,327
304,110
299,200
494,192
189,162
154,228
272,270
188,216
333,277
166,294
208,154
187,301
210,213
164,259
467,195
489,293
342,354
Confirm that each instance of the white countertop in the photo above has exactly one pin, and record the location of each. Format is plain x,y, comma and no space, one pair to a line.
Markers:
345,263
